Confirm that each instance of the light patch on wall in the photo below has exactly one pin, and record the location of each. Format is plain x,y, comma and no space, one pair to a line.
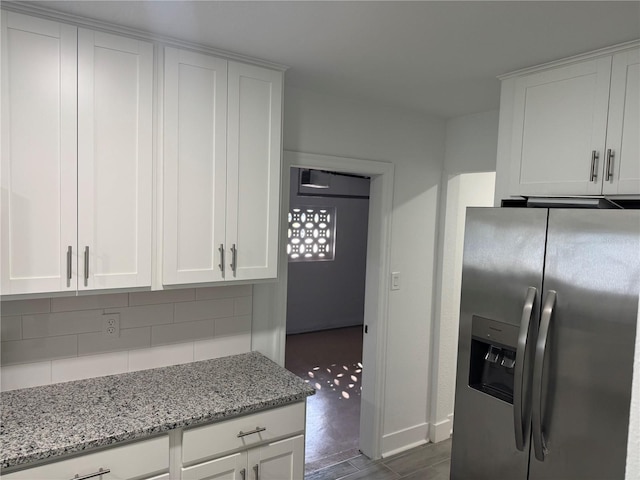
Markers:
311,234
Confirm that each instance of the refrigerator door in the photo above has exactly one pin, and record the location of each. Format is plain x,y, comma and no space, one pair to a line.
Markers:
582,388
501,285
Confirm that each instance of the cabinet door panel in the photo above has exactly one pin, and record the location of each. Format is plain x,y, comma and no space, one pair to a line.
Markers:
195,112
225,468
253,176
115,86
283,460
38,154
560,117
624,125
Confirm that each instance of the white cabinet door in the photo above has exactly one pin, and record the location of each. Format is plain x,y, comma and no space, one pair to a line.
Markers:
38,154
622,169
283,460
253,170
115,87
559,127
232,467
195,111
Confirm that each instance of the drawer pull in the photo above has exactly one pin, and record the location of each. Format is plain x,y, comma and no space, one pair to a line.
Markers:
100,472
251,432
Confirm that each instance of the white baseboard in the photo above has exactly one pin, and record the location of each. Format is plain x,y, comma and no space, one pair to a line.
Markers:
441,430
405,439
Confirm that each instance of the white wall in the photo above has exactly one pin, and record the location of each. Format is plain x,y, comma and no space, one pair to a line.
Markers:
321,124
470,147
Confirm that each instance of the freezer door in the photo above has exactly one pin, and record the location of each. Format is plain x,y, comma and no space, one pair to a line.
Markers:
582,388
501,285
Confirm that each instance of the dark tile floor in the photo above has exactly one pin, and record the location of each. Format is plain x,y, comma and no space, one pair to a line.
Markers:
331,361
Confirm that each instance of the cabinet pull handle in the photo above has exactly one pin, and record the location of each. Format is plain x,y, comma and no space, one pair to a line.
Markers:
610,156
594,162
234,258
102,471
69,253
221,264
251,432
256,470
86,266
243,474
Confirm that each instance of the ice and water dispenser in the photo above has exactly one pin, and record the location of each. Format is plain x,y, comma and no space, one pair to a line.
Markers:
493,357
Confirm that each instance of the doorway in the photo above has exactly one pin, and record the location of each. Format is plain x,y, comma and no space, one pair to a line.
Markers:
326,248
268,333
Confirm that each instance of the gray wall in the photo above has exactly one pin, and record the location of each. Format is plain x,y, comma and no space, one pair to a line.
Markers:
323,295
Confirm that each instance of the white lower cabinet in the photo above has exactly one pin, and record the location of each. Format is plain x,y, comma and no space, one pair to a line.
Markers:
263,446
146,459
283,460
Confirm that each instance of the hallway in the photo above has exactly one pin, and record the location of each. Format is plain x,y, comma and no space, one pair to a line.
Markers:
330,361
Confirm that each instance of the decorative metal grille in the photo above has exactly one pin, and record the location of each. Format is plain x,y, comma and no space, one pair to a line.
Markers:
311,234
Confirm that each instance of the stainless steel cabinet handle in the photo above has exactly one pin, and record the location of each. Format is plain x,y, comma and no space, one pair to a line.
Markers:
102,471
86,266
251,432
234,258
221,264
69,254
538,366
609,167
243,474
520,412
256,470
594,163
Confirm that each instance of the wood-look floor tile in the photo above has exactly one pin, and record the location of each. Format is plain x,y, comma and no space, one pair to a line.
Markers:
376,471
419,458
333,472
439,471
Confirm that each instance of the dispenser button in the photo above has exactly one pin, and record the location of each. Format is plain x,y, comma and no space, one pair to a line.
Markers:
493,354
508,361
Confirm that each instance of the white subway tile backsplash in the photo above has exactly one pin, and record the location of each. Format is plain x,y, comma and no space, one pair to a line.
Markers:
64,323
229,291
205,310
86,367
144,315
99,342
11,328
25,376
39,349
181,332
163,356
162,296
89,302
21,307
221,347
232,326
243,306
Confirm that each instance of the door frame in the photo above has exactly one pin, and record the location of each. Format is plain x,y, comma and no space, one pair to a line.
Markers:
270,299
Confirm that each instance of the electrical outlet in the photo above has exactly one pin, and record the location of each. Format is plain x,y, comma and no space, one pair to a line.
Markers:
111,324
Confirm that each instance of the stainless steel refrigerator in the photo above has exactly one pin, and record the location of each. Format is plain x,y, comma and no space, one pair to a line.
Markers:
546,346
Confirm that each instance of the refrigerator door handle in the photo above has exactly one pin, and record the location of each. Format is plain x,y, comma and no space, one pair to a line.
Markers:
520,418
538,366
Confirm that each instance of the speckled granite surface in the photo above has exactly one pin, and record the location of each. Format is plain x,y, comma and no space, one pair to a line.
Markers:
53,420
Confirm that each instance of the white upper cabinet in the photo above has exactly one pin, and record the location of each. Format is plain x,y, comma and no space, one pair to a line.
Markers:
38,155
253,171
559,129
195,167
622,166
115,85
221,188
76,158
574,128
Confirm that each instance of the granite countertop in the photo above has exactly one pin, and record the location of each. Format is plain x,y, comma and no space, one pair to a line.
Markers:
53,420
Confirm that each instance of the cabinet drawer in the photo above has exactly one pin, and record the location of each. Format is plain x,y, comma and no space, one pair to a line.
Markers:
212,440
136,460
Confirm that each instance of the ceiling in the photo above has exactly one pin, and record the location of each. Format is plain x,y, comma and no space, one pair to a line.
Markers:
431,57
